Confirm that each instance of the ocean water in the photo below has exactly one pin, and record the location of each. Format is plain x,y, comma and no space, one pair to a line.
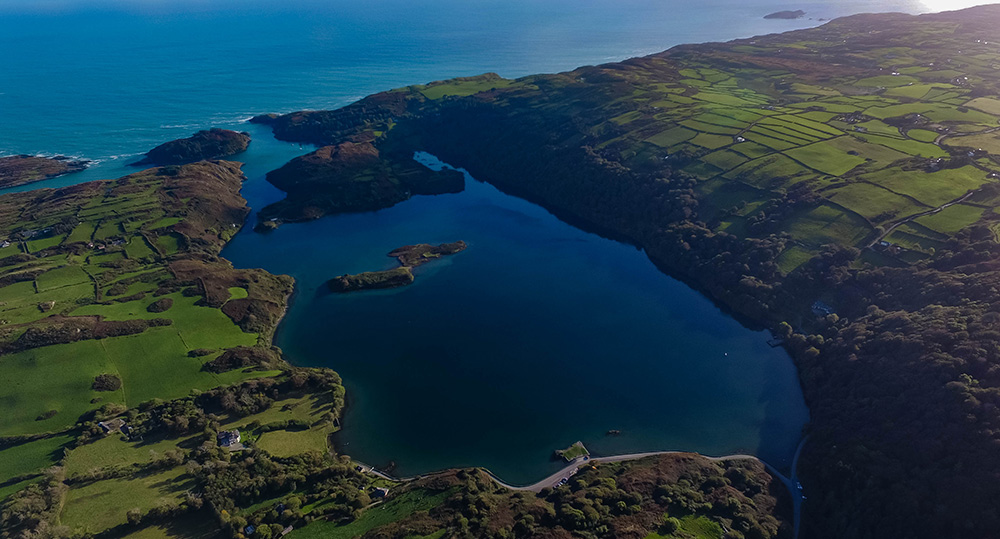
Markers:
540,334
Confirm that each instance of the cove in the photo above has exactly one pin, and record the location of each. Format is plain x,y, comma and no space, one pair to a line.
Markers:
538,335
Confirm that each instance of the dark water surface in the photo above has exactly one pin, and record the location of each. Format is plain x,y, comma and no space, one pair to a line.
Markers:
536,336
539,334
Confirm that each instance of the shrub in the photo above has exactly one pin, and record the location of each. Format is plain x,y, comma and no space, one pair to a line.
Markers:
160,305
107,382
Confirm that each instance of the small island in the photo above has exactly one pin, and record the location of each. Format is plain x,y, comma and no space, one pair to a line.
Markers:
786,15
18,170
208,144
409,257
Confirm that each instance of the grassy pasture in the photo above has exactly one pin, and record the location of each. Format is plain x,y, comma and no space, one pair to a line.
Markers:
31,457
751,150
82,232
825,158
824,224
888,81
56,378
41,244
915,237
951,219
672,137
138,248
190,526
799,122
462,88
724,159
911,147
932,189
793,257
989,142
818,116
871,201
710,128
712,141
985,104
59,277
880,155
767,171
923,135
112,451
393,510
756,135
912,91
781,132
103,504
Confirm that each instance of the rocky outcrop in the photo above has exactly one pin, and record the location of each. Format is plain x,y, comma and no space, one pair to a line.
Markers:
23,169
209,144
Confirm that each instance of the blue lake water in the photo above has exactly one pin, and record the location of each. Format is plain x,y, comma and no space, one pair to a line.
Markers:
539,334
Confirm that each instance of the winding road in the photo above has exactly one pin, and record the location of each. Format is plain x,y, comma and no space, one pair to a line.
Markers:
574,466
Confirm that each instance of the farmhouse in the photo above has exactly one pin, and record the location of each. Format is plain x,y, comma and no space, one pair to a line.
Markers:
114,425
230,439
822,309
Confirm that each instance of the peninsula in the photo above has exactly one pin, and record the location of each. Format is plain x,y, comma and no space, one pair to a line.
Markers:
24,169
351,176
409,257
836,184
208,144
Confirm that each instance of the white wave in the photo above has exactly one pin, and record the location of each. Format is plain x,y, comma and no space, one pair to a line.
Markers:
180,126
123,156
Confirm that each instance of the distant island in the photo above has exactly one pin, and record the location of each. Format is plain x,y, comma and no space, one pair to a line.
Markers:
786,15
409,257
208,144
18,170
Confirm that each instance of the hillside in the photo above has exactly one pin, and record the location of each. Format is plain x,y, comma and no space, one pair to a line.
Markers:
838,184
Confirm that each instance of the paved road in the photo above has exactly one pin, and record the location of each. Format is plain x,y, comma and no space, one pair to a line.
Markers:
902,222
580,462
573,467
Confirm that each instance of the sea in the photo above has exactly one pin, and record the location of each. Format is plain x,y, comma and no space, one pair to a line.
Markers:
539,334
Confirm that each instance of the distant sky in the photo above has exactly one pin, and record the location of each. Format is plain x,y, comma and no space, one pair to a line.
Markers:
55,6
948,5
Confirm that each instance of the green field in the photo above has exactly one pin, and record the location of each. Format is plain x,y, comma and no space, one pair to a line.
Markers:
871,201
826,158
31,457
391,511
103,504
951,219
932,189
56,378
826,224
462,87
113,451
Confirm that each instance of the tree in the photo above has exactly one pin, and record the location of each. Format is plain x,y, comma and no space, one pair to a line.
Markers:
134,516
